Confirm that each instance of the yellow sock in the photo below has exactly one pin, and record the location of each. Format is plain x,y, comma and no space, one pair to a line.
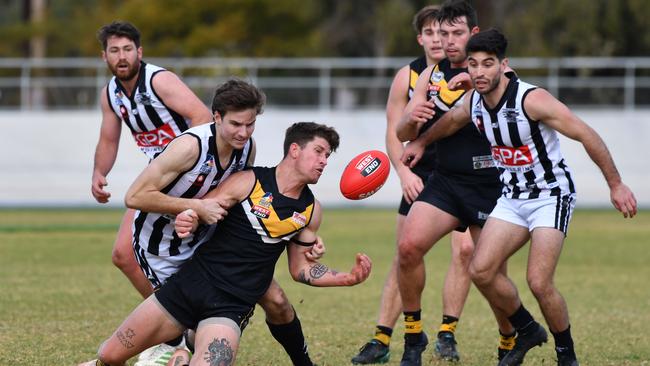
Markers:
411,325
450,327
506,342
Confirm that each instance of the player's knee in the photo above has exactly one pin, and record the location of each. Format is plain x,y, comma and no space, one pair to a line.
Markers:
463,254
409,252
277,307
541,288
480,276
106,357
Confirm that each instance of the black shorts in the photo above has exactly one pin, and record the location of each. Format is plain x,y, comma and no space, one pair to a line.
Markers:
470,203
189,298
404,206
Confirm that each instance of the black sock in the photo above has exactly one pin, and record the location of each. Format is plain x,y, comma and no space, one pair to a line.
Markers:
291,338
522,320
564,342
175,342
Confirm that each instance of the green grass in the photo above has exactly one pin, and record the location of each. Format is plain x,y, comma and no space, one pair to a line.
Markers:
60,296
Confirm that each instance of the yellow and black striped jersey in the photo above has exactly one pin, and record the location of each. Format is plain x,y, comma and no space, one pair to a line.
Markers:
427,163
465,154
240,256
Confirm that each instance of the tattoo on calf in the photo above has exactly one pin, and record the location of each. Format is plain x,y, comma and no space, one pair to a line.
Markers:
126,338
219,353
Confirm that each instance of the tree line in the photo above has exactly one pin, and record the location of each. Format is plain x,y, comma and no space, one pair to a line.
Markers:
316,28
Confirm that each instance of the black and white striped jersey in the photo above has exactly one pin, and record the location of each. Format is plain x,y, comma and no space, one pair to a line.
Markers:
526,152
152,124
155,232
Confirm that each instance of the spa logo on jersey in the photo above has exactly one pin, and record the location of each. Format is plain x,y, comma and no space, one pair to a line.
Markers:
517,158
262,209
161,136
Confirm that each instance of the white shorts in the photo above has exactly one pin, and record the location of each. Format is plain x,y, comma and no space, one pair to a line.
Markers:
156,268
552,212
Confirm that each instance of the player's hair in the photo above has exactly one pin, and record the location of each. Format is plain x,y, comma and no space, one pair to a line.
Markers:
452,10
424,17
303,132
237,95
491,41
119,29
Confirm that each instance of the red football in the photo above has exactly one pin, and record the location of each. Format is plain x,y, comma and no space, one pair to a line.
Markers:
364,175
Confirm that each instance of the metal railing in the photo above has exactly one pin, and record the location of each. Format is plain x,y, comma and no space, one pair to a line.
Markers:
324,83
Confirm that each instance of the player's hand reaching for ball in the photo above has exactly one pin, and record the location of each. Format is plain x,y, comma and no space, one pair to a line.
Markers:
186,223
360,271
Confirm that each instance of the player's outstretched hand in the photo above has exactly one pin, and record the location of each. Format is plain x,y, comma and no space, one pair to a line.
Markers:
317,250
623,199
186,223
361,270
97,188
412,153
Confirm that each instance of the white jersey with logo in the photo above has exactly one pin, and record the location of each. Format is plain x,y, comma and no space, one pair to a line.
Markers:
154,232
151,122
526,152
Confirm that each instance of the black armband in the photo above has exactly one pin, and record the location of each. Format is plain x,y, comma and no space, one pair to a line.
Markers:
302,243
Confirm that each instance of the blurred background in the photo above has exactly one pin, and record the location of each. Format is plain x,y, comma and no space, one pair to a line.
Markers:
330,61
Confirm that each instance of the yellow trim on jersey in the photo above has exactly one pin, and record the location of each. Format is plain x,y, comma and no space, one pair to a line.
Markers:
413,79
275,227
444,94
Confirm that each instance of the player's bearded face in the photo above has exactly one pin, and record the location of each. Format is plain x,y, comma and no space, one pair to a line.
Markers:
122,58
485,71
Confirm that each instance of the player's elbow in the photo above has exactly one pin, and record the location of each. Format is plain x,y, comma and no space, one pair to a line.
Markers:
131,200
403,135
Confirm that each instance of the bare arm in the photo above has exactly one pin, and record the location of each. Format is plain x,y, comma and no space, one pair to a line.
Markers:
397,100
418,110
145,192
177,96
447,125
106,150
542,106
229,192
314,273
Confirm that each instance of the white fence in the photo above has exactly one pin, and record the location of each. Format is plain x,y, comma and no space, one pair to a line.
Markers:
323,83
46,157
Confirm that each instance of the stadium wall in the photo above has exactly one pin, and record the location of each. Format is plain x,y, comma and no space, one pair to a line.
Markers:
46,157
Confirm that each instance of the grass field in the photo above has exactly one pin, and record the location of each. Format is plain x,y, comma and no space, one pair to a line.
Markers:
60,296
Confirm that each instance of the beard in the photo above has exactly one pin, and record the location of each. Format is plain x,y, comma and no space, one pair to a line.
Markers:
493,84
128,74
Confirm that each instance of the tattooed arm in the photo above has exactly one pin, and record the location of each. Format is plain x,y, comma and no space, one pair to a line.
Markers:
314,273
